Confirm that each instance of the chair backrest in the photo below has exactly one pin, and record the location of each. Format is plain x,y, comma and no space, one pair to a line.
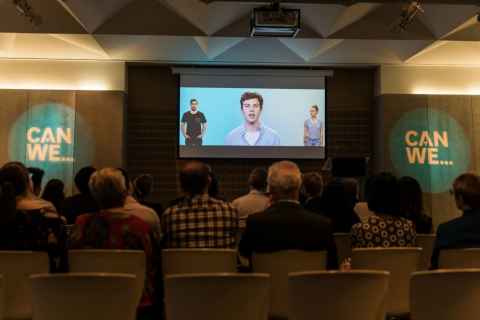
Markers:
221,296
459,258
175,261
445,295
332,295
80,296
426,242
400,262
16,267
279,264
110,261
343,241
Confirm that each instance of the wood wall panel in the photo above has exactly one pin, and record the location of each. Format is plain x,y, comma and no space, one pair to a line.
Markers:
152,128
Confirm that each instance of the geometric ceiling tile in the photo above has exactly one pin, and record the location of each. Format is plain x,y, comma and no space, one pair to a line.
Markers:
203,43
259,50
358,52
195,12
434,46
222,14
46,46
470,31
148,48
309,48
93,13
219,45
55,19
405,49
84,42
148,17
442,19
352,14
381,23
455,53
320,18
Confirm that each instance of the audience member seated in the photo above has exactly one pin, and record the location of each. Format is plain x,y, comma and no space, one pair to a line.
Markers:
36,176
464,231
361,208
386,228
214,185
312,189
132,206
29,230
142,189
199,220
411,204
113,227
54,193
286,225
337,205
83,202
27,201
256,200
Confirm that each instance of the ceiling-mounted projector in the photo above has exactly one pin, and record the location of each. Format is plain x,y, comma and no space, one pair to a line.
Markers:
274,21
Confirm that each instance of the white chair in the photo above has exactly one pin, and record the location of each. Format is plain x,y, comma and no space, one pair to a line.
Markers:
221,296
343,241
175,261
445,295
337,295
426,242
16,267
80,296
459,258
400,262
279,264
116,261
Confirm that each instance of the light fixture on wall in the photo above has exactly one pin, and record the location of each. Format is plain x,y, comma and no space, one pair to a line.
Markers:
409,12
25,9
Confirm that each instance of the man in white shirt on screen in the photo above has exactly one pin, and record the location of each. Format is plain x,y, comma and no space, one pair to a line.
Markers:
252,132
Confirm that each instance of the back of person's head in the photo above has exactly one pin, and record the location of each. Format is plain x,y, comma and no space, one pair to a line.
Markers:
108,188
194,178
313,184
36,177
54,191
82,178
16,174
10,177
143,185
383,194
466,189
126,177
258,179
284,180
351,187
410,197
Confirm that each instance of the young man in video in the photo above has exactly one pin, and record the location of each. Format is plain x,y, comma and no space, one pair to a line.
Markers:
252,132
193,125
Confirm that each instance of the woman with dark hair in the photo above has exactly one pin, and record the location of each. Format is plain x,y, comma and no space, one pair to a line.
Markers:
28,229
54,192
411,204
387,228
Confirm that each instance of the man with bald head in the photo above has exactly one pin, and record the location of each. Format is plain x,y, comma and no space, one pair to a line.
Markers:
198,220
286,225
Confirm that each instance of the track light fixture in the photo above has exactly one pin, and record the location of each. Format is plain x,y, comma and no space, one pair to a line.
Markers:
409,12
25,9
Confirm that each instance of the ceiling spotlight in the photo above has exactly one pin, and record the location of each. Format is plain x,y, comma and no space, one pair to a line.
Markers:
409,12
25,9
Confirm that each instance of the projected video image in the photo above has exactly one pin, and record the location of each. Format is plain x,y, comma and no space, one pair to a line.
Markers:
251,117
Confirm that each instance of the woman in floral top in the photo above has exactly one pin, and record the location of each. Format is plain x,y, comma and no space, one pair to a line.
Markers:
386,228
113,228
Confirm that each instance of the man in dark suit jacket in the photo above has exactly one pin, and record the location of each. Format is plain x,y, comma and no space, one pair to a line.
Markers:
462,232
286,225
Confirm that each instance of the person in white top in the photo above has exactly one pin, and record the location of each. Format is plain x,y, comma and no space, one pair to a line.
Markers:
256,200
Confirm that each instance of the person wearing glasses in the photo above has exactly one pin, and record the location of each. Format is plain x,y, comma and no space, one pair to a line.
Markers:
464,231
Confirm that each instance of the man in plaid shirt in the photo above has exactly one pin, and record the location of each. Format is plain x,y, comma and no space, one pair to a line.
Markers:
198,220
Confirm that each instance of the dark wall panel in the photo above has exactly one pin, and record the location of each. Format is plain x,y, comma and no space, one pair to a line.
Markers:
152,124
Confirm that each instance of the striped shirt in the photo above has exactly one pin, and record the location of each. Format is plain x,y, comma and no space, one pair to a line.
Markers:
200,222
